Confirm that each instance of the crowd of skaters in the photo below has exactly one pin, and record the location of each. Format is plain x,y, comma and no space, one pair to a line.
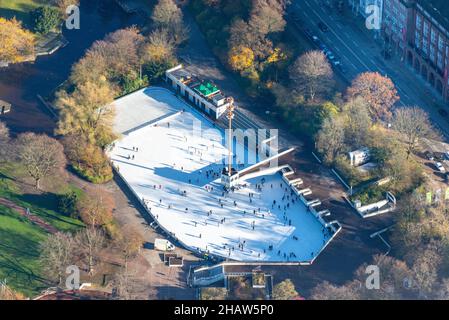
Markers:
284,204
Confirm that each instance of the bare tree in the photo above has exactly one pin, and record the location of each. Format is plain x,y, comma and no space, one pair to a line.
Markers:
413,123
57,253
328,291
267,16
40,155
165,13
312,74
127,284
90,243
425,268
129,241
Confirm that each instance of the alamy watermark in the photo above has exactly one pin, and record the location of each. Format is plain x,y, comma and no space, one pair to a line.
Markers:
373,19
73,20
72,282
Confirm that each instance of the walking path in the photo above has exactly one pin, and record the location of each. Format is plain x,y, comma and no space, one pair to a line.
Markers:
23,212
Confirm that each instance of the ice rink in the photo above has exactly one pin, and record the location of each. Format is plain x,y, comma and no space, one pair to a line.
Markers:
175,169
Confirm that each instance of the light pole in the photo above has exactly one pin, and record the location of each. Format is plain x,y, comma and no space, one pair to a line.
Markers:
230,115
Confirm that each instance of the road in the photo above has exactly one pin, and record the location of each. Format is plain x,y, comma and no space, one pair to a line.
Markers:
360,53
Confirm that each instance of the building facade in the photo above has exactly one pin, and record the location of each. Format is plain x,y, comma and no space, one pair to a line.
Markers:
419,32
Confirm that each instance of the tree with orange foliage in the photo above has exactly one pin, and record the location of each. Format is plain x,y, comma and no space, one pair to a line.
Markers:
96,207
16,43
241,58
378,91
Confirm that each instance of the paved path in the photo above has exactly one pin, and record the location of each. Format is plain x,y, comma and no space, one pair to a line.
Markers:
23,212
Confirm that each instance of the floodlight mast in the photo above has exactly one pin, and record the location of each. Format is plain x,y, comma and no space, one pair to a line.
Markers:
230,115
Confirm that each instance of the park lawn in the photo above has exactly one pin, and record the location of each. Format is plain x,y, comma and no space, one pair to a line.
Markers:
43,205
19,9
19,253
19,238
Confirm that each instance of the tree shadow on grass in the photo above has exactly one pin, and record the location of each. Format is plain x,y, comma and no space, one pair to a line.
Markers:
45,202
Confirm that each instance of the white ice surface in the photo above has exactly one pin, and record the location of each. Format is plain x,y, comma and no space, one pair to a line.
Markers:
170,156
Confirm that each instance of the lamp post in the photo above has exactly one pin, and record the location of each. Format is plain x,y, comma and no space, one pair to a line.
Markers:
230,114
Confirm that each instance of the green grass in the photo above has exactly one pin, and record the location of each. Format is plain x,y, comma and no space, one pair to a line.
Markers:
20,9
19,238
19,252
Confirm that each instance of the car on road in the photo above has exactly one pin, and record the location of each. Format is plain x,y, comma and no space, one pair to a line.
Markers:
323,27
315,39
336,63
440,167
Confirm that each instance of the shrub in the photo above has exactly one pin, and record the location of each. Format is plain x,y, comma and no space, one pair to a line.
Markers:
45,19
67,204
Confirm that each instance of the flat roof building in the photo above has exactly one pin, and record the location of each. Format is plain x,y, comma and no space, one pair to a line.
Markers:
203,94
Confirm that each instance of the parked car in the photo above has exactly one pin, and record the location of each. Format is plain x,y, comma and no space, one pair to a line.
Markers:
429,155
323,27
446,155
330,55
440,167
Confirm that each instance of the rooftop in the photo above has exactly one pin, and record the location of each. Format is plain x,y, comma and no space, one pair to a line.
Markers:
206,89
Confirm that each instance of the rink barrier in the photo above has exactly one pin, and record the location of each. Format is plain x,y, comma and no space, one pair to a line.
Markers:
284,170
334,225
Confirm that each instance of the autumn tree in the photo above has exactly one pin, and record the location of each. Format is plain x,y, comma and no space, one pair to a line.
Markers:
378,91
330,140
16,43
284,290
87,159
4,142
7,293
241,58
158,54
87,112
241,34
110,60
167,15
413,123
357,122
311,74
95,207
62,5
160,46
57,253
40,155
90,243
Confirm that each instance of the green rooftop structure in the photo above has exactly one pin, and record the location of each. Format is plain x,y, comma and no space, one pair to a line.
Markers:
206,89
